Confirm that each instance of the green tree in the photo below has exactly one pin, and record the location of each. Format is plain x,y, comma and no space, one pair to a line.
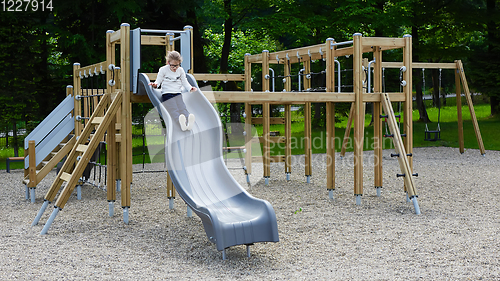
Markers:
485,75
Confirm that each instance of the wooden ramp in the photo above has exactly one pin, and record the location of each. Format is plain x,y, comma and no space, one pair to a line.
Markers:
401,154
80,155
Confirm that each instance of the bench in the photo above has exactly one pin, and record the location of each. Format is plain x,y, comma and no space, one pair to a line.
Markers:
13,159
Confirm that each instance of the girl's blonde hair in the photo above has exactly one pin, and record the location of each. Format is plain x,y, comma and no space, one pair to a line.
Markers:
173,55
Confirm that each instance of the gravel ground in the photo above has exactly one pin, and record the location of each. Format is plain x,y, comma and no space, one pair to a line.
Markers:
457,236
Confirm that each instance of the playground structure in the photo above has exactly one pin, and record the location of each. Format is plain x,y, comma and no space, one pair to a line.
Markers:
433,135
107,115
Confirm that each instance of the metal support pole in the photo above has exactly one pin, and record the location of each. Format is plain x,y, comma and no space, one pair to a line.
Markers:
40,213
125,215
32,195
50,220
224,257
79,192
111,205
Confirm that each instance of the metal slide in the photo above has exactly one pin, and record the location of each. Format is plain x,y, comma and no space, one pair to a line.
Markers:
230,215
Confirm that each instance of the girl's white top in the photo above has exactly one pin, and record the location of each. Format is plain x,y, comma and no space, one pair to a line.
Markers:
172,82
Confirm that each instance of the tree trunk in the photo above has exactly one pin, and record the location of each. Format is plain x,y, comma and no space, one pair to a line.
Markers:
317,115
494,105
200,65
234,108
228,31
493,42
418,87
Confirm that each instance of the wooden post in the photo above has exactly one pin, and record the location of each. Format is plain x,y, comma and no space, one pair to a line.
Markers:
377,121
266,115
468,98
32,164
116,146
408,91
126,118
170,187
111,133
288,119
111,162
26,170
307,121
77,85
288,139
458,91
248,118
330,117
169,46
359,116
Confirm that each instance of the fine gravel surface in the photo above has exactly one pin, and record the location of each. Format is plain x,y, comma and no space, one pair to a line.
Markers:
456,237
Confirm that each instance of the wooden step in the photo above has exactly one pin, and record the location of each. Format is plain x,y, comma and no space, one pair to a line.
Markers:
82,148
97,120
65,176
44,163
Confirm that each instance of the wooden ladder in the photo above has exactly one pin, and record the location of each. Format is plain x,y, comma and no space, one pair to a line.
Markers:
80,154
48,164
404,164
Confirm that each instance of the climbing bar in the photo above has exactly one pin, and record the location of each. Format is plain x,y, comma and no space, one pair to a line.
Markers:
341,43
162,31
78,97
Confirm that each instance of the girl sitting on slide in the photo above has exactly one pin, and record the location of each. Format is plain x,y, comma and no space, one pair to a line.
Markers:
172,78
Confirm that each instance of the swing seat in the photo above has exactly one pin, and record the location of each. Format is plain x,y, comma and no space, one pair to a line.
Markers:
432,135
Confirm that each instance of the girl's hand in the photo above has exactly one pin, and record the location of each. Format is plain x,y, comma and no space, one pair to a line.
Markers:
193,89
153,84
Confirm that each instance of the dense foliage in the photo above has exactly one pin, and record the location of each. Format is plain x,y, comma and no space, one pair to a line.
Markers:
38,48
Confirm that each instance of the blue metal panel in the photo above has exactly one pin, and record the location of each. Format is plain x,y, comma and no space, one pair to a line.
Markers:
51,121
52,140
135,57
186,49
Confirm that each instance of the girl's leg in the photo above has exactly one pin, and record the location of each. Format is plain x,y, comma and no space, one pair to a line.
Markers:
183,110
169,101
181,106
